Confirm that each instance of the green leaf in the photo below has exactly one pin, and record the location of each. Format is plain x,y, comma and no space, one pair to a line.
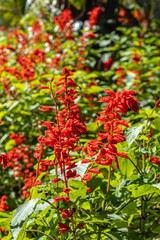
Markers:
94,89
132,133
78,4
111,236
10,144
78,190
13,105
156,123
23,211
138,191
5,219
92,127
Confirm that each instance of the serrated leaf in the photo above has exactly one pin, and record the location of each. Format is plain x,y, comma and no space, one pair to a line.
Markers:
23,211
132,133
138,191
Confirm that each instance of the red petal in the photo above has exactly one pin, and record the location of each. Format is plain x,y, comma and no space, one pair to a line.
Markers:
46,108
110,92
122,154
55,180
86,161
43,87
95,170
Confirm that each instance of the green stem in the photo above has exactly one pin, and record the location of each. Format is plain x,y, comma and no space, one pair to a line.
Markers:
142,218
143,159
109,179
45,200
108,186
134,164
35,230
124,205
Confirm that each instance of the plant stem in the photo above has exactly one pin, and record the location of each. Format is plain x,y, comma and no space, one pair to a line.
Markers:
142,218
109,173
143,160
109,179
45,200
134,164
35,230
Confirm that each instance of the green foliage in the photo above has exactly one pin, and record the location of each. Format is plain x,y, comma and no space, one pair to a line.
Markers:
77,3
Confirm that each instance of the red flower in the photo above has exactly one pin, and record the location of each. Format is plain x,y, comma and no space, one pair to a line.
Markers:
158,103
155,160
107,64
65,213
61,198
66,190
3,205
4,160
63,228
46,108
122,12
94,13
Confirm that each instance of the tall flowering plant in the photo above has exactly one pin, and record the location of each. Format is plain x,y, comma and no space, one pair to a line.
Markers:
104,147
63,137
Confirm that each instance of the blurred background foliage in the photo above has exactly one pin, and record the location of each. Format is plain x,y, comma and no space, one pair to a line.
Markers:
12,12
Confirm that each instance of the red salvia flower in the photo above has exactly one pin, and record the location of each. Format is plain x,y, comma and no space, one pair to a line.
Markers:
103,148
63,228
94,13
4,160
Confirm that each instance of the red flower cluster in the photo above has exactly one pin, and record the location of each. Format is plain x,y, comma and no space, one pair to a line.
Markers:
20,161
121,75
94,13
62,136
36,27
64,23
4,160
104,147
3,205
124,16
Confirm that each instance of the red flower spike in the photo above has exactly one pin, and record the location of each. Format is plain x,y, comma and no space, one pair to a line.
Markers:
94,13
